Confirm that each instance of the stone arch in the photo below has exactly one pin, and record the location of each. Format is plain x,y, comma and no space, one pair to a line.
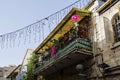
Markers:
113,17
116,26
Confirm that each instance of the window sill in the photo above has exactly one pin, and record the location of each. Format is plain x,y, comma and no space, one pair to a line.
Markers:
115,45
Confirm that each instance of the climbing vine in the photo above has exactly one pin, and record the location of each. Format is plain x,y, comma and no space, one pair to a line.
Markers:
30,67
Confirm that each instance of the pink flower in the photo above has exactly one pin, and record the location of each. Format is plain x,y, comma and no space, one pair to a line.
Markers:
75,18
53,51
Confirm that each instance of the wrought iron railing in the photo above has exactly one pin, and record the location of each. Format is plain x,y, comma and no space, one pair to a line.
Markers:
78,43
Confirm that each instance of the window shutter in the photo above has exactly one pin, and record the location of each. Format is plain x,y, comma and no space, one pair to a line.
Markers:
108,30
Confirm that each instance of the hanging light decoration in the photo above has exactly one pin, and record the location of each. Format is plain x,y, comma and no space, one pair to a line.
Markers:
35,31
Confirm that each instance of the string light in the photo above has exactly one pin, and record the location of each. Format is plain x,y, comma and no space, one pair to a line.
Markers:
35,31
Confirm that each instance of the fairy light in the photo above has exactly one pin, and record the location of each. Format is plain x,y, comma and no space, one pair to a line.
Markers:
28,33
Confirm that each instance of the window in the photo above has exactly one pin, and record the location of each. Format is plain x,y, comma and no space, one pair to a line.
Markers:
116,27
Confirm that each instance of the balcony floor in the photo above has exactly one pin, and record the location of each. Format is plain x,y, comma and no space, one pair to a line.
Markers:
73,57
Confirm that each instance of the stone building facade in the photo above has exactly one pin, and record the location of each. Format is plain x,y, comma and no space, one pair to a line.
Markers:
23,69
106,50
5,71
14,75
1,73
104,36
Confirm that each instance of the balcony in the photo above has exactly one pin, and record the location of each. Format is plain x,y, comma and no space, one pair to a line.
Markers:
71,53
67,45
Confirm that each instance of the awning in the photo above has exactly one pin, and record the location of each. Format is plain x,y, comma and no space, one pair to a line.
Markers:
63,27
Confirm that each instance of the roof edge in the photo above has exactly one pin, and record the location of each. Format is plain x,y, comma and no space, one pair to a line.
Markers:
104,5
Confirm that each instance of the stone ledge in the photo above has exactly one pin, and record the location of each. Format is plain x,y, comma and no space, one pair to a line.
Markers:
115,45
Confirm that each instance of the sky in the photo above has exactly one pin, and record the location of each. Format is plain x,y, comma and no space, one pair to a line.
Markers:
16,14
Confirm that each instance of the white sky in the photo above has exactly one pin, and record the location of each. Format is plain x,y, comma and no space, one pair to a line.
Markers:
16,14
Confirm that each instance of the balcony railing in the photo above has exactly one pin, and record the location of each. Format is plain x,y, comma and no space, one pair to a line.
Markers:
78,43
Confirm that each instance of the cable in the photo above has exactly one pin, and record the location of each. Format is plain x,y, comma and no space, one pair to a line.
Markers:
21,35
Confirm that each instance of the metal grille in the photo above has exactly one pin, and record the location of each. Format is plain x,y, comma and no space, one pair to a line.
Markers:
116,27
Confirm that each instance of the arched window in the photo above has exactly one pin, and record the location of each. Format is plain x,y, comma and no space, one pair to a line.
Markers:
116,27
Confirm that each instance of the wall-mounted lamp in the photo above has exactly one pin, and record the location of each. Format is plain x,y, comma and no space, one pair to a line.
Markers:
80,69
